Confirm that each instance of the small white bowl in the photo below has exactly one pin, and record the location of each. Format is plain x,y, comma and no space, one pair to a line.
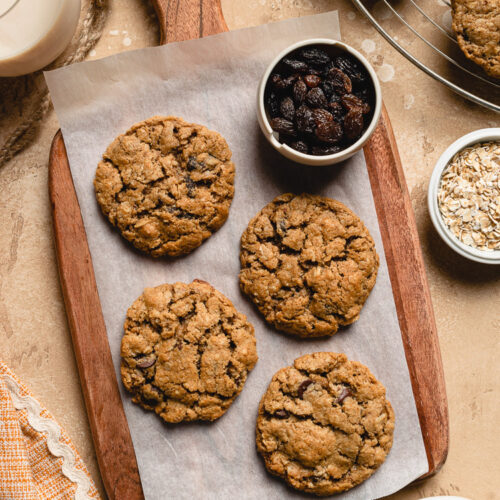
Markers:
291,153
478,136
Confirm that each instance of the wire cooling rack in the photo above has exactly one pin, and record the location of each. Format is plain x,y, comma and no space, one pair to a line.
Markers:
421,31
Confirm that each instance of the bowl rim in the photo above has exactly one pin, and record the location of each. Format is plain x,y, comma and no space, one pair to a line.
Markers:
477,136
297,155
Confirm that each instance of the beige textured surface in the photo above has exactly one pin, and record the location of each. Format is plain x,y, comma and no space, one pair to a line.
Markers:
34,337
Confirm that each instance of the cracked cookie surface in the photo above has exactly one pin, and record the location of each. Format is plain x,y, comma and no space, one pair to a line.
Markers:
186,352
477,26
166,184
324,424
308,263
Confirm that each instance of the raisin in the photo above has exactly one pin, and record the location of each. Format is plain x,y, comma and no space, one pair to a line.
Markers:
299,91
190,185
276,81
300,146
325,150
328,67
186,215
272,104
337,111
316,98
294,65
281,414
352,69
304,119
314,56
334,98
287,108
329,132
353,123
283,126
312,80
281,84
341,83
328,88
321,115
303,387
350,101
193,164
146,363
346,392
289,80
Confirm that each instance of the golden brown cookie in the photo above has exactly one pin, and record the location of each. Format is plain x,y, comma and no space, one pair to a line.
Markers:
186,352
477,26
308,263
166,184
324,424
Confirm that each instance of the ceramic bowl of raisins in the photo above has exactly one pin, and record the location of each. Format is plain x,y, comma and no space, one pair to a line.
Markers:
319,102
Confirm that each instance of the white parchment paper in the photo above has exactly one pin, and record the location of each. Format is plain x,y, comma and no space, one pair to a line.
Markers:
214,82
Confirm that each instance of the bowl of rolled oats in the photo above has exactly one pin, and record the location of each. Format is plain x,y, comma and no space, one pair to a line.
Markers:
464,196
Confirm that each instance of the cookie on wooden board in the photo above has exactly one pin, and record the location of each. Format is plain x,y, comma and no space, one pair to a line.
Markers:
186,352
308,263
476,24
166,184
324,424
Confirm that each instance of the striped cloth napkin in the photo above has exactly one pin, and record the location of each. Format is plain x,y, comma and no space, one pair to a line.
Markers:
37,459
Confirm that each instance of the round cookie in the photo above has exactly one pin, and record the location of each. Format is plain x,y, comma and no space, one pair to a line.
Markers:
186,351
166,185
308,263
324,424
477,26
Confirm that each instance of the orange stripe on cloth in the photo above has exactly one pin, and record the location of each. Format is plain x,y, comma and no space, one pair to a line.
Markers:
37,459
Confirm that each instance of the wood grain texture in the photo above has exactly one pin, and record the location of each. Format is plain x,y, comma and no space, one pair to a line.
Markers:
110,432
410,289
188,19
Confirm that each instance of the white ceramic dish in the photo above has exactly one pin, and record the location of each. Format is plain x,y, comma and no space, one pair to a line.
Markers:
483,256
292,154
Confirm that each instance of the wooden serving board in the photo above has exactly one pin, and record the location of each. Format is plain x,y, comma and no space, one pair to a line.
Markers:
187,19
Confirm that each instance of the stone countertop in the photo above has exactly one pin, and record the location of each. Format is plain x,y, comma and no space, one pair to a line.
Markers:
426,117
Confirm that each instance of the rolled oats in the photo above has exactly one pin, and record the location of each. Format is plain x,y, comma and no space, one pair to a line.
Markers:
469,196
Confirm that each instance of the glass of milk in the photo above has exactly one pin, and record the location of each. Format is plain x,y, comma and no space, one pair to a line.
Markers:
34,32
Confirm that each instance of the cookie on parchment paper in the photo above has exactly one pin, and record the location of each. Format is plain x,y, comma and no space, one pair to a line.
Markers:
186,352
166,184
308,263
324,424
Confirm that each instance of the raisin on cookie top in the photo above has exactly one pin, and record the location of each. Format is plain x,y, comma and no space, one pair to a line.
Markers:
308,263
166,185
324,424
477,26
186,351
